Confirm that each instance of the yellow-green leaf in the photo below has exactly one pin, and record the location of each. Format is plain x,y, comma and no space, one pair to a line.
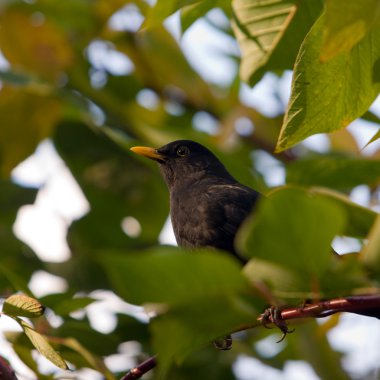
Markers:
94,361
270,33
20,305
40,48
344,29
328,96
42,345
26,118
163,9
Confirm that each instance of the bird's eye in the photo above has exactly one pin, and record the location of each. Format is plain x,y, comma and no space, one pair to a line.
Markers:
182,151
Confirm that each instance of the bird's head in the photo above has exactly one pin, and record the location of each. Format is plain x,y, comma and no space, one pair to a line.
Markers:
183,160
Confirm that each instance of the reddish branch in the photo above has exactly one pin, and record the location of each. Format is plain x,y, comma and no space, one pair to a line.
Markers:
363,304
141,369
6,371
353,304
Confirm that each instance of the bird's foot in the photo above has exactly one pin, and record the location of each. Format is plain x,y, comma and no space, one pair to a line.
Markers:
273,315
224,343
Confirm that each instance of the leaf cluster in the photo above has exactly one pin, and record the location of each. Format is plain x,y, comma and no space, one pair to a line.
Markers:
60,83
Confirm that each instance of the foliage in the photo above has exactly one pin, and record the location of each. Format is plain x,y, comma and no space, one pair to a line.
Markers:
54,87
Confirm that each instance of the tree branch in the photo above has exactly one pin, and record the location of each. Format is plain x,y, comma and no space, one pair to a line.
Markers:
141,369
362,304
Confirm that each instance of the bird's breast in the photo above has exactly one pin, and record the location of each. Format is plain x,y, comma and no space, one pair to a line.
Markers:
189,212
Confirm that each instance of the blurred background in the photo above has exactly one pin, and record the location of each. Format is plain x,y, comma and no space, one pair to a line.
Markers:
80,83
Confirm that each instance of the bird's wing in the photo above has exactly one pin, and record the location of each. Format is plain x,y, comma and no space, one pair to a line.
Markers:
235,201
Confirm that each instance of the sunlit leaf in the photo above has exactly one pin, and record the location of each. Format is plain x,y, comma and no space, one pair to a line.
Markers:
270,33
92,360
26,118
343,141
346,23
42,345
20,305
324,94
38,47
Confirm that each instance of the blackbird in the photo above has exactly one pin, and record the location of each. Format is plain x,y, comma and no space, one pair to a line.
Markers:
207,205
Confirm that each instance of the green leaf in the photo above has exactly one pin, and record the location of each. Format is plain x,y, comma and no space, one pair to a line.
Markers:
375,137
371,251
20,305
312,344
64,303
188,327
19,138
92,360
371,117
88,337
270,33
289,237
192,12
284,282
163,9
344,29
359,219
200,291
16,262
345,275
333,172
172,275
42,345
325,95
43,49
293,228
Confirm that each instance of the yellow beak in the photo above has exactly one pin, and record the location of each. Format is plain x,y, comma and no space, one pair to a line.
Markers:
147,152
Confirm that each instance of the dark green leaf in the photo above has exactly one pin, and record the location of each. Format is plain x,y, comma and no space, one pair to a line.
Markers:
334,172
63,303
371,252
193,325
359,219
293,228
171,275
